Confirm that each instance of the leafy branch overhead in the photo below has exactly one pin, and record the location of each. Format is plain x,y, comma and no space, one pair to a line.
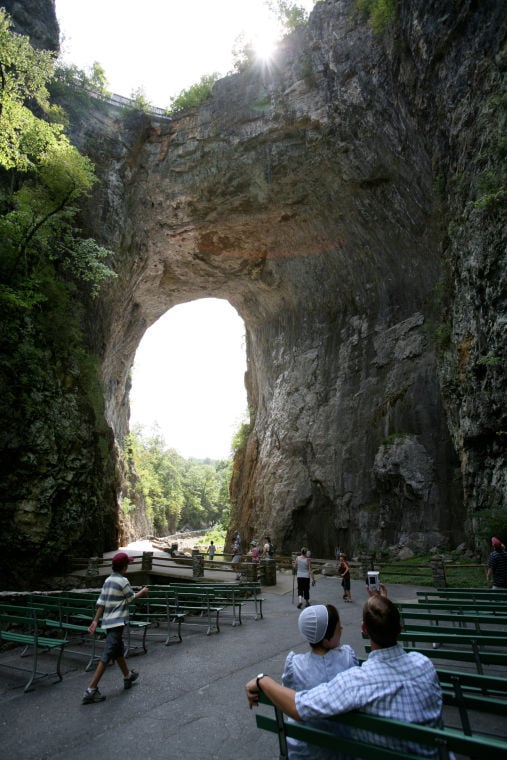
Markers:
47,175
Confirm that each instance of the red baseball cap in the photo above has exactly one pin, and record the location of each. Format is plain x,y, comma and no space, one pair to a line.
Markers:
496,542
122,558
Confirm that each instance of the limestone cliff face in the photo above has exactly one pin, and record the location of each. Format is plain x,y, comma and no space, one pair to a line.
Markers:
316,197
332,200
35,19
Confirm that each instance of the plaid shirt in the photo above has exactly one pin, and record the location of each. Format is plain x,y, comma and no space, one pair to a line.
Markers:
391,683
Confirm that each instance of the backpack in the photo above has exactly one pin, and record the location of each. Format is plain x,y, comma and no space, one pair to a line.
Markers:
271,550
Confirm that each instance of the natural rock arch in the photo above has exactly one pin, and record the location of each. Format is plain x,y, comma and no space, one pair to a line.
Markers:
332,200
302,195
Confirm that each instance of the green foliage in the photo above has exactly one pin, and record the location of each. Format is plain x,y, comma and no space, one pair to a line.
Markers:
127,507
492,161
243,54
380,13
290,15
140,101
240,438
195,95
217,534
489,360
492,522
24,75
178,492
93,79
394,439
46,177
438,325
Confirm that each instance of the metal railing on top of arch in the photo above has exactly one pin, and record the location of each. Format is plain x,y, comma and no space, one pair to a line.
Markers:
122,102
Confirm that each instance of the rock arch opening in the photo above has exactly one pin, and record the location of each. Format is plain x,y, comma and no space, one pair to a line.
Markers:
188,378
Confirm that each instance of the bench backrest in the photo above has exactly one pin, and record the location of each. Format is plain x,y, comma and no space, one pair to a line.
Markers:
395,733
458,593
480,607
479,620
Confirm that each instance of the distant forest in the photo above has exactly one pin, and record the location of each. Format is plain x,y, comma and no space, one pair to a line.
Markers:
178,493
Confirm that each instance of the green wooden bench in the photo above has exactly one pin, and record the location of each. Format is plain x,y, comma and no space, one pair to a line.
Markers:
195,604
437,626
20,625
192,603
235,594
470,594
159,609
486,608
393,740
463,620
228,596
456,646
74,613
225,597
244,592
80,631
471,692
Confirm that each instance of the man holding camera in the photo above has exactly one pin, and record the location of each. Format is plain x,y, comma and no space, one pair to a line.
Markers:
391,683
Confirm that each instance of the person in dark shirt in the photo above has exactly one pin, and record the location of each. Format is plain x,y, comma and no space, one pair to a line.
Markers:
497,564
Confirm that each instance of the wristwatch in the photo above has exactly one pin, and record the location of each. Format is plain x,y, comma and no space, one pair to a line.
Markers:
261,675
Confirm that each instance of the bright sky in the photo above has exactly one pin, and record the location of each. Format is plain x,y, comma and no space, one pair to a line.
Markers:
188,375
188,378
163,46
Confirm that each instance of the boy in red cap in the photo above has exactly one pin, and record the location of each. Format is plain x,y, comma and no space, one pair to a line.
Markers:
113,608
497,565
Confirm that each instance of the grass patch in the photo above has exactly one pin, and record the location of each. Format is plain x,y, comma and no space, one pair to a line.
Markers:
417,572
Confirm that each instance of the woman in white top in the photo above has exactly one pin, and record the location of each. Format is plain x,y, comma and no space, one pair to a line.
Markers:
304,571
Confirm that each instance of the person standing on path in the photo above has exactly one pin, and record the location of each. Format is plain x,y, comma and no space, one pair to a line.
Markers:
304,572
211,550
236,556
113,608
344,572
254,552
497,565
268,550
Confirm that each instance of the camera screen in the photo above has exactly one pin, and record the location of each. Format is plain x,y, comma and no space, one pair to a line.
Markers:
373,580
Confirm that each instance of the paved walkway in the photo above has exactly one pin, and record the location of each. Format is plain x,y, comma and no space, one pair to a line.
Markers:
189,701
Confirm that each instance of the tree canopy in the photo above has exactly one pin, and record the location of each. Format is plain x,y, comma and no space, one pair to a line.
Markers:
177,492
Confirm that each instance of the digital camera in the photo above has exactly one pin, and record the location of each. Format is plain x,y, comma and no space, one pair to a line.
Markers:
373,580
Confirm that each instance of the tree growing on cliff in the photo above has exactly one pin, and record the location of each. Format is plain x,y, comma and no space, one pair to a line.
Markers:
46,176
290,15
195,95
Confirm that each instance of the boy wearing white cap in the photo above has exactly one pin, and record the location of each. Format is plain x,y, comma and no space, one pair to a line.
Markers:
320,626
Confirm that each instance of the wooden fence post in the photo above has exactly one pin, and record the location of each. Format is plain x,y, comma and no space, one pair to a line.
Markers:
197,564
93,566
438,573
